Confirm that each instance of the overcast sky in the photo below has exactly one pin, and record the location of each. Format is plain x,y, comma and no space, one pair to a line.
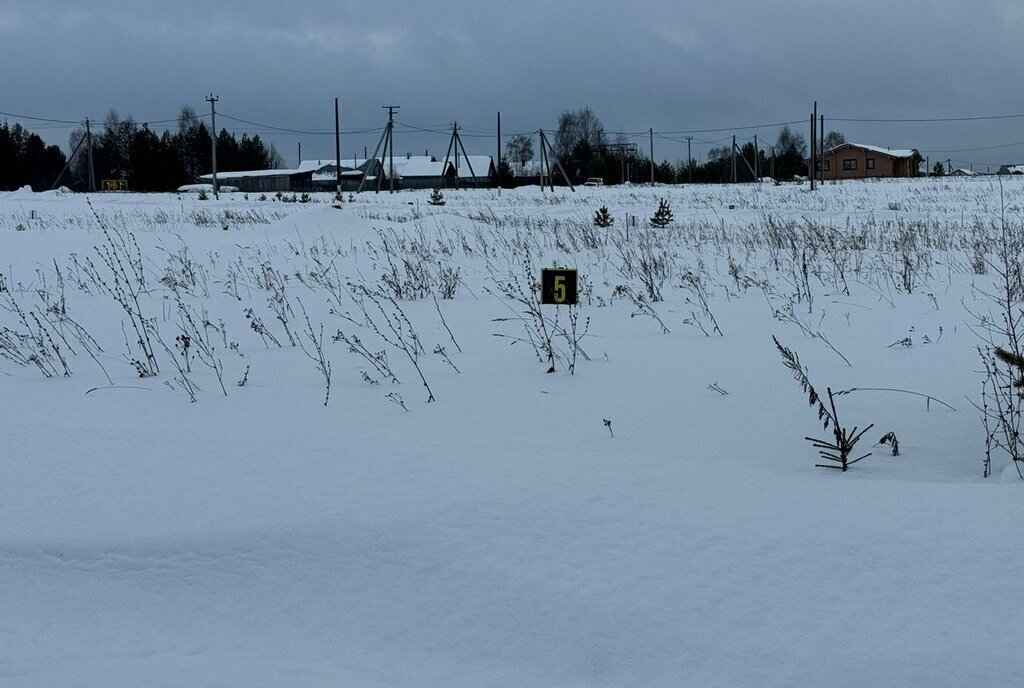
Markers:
665,64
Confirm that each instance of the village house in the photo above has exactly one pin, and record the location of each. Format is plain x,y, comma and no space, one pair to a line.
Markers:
410,172
860,161
263,181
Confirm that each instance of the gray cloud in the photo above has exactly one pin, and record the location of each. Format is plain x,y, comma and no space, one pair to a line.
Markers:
667,65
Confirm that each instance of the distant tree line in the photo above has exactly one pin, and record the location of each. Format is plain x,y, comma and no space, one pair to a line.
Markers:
26,159
123,149
582,145
151,160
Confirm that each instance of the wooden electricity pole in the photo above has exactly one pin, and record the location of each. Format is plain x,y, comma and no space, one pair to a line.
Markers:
92,173
540,148
650,132
391,145
733,159
689,158
757,161
337,146
71,159
812,170
498,159
821,145
212,100
545,161
455,143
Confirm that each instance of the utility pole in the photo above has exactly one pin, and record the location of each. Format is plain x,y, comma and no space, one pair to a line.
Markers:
689,158
651,134
757,161
821,145
733,159
498,161
92,174
337,146
812,167
540,147
773,162
545,156
456,143
300,154
212,99
390,145
71,159
455,137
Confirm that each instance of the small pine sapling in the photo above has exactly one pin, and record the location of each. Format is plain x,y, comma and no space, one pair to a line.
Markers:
841,448
663,215
436,197
1015,361
602,218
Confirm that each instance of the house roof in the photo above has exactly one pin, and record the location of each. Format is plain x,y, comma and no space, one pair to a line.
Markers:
481,165
891,152
315,165
422,168
411,166
330,176
236,174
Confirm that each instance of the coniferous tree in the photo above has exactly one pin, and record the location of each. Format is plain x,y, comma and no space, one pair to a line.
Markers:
1015,361
663,215
602,218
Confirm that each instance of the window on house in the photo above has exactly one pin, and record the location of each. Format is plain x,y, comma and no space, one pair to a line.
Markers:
825,163
850,164
871,163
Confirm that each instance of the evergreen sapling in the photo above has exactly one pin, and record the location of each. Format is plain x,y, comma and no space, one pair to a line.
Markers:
602,218
663,215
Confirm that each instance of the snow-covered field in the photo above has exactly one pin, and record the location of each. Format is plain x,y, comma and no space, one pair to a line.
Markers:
502,534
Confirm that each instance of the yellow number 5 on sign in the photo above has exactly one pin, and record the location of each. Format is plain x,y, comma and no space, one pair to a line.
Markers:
558,286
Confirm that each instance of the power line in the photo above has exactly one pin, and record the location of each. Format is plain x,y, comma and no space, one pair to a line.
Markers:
272,127
969,150
756,126
40,119
928,119
309,132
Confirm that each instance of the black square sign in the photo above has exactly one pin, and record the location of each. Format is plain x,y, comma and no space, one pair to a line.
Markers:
558,286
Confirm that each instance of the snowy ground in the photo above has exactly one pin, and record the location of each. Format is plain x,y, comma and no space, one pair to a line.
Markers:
501,536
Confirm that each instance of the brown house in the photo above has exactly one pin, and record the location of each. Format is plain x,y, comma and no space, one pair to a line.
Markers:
858,161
